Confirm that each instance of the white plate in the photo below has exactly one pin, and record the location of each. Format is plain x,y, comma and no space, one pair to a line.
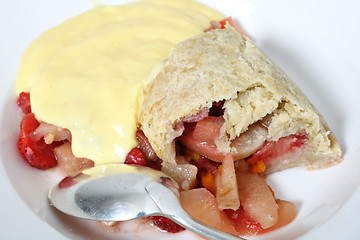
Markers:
315,42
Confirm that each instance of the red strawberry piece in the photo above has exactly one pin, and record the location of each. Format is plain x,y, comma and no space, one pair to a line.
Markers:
23,102
135,157
67,182
221,25
37,153
272,150
166,224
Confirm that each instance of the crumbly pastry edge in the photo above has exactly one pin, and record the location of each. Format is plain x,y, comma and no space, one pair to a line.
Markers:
223,65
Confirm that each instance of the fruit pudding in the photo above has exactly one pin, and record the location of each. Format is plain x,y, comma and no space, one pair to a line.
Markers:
82,100
222,185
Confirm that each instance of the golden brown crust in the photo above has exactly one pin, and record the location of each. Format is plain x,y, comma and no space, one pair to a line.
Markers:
223,65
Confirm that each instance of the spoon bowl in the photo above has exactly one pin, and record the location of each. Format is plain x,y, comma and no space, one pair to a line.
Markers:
119,192
107,193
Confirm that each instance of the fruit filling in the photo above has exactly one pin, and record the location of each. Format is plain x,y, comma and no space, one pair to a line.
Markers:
236,180
225,191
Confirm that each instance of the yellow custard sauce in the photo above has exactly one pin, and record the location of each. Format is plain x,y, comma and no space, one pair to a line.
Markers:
87,74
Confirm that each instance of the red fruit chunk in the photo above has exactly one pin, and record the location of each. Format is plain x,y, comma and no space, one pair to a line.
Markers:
135,157
145,146
202,138
23,102
67,182
221,25
271,151
234,24
37,153
244,225
166,224
247,227
29,124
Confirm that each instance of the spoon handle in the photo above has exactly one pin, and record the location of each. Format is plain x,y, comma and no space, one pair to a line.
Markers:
168,202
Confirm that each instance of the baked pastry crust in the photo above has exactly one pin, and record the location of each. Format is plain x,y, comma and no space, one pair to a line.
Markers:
224,65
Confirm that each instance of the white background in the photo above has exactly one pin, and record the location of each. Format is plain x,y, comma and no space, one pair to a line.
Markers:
315,42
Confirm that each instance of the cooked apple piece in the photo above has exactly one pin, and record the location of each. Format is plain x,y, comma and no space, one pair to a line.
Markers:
110,227
257,199
183,174
50,133
68,163
203,136
287,213
227,194
249,142
202,205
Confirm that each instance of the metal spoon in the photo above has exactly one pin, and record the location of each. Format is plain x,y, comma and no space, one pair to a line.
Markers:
119,192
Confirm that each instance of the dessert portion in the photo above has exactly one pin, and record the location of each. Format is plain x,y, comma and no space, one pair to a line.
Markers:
232,113
232,99
175,86
210,191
